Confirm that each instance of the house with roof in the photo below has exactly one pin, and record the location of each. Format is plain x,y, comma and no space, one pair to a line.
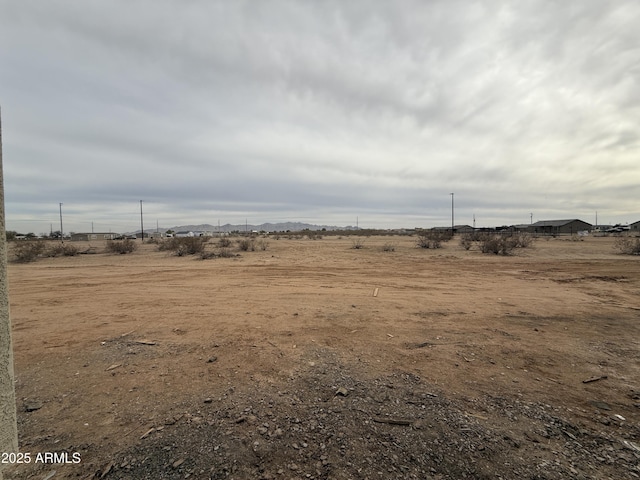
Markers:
559,227
635,227
87,237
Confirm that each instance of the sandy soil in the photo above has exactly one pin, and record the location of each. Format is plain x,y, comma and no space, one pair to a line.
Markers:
312,359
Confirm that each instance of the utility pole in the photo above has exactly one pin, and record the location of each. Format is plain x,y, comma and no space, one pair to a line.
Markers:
531,215
8,411
452,221
141,224
61,231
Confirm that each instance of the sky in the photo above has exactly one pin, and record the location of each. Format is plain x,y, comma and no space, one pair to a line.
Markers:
325,112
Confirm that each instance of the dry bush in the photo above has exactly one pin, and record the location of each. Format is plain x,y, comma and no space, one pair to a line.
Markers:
224,242
496,244
246,244
220,252
225,252
262,244
206,255
524,240
389,247
121,246
504,244
627,245
29,251
357,243
167,244
62,250
182,246
466,240
433,238
189,246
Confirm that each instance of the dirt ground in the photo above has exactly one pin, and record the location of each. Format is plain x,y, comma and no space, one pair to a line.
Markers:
315,360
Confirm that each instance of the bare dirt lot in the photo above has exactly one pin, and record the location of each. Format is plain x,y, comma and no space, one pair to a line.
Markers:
315,360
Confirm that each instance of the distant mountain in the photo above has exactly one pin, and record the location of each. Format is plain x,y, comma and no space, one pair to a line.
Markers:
267,227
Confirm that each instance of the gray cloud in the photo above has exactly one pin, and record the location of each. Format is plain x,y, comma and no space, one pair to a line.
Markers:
279,110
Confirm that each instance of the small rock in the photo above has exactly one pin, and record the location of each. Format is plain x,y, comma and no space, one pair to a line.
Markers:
600,405
418,424
342,392
212,359
208,400
32,406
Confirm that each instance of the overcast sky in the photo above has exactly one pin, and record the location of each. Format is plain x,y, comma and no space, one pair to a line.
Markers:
318,111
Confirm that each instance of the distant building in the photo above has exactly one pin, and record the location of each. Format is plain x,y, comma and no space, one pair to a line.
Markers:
559,227
183,234
635,227
456,229
87,237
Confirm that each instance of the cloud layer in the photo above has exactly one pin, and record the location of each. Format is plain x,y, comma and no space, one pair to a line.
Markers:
319,111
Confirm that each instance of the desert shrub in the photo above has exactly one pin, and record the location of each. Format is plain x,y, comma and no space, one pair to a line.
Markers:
627,245
167,244
206,255
247,244
357,243
189,246
388,247
504,244
496,244
62,250
29,251
433,238
224,242
466,240
219,252
182,246
225,252
262,244
121,246
523,240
